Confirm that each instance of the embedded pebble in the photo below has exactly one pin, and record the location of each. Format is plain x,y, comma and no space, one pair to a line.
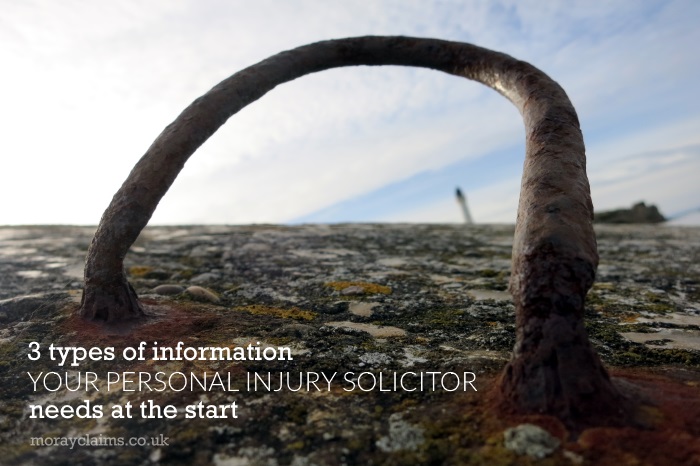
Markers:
675,318
202,294
31,274
375,359
402,436
485,295
362,309
168,289
353,290
203,251
205,277
668,338
374,330
392,261
575,458
530,440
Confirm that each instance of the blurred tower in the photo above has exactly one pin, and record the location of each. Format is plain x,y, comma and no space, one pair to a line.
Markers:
462,201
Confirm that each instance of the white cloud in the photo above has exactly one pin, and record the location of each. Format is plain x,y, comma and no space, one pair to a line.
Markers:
333,166
668,179
88,86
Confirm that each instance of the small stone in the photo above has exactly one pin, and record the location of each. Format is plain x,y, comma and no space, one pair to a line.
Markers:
155,455
362,309
202,294
206,277
402,436
375,359
486,295
168,289
573,457
374,330
204,250
531,440
31,274
353,290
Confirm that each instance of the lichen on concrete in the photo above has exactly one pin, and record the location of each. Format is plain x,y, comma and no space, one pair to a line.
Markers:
433,298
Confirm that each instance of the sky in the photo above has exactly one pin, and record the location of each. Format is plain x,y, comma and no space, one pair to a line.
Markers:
86,86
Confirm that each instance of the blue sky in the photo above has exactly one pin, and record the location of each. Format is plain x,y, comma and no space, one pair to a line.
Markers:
88,85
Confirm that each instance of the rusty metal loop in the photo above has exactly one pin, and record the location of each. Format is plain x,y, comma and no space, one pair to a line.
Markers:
554,253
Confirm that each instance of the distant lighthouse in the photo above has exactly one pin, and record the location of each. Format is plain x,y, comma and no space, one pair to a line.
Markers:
462,201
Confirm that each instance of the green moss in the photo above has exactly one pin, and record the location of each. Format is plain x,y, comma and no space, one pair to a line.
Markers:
188,432
281,341
296,446
13,452
296,413
289,313
8,353
652,297
458,437
680,356
443,317
631,357
357,443
659,307
617,350
370,345
594,299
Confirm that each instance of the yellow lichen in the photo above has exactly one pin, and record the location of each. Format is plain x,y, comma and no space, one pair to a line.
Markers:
139,270
604,286
628,318
369,288
299,445
289,313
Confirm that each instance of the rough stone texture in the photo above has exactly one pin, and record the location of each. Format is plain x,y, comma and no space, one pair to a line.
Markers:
402,436
442,285
530,440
